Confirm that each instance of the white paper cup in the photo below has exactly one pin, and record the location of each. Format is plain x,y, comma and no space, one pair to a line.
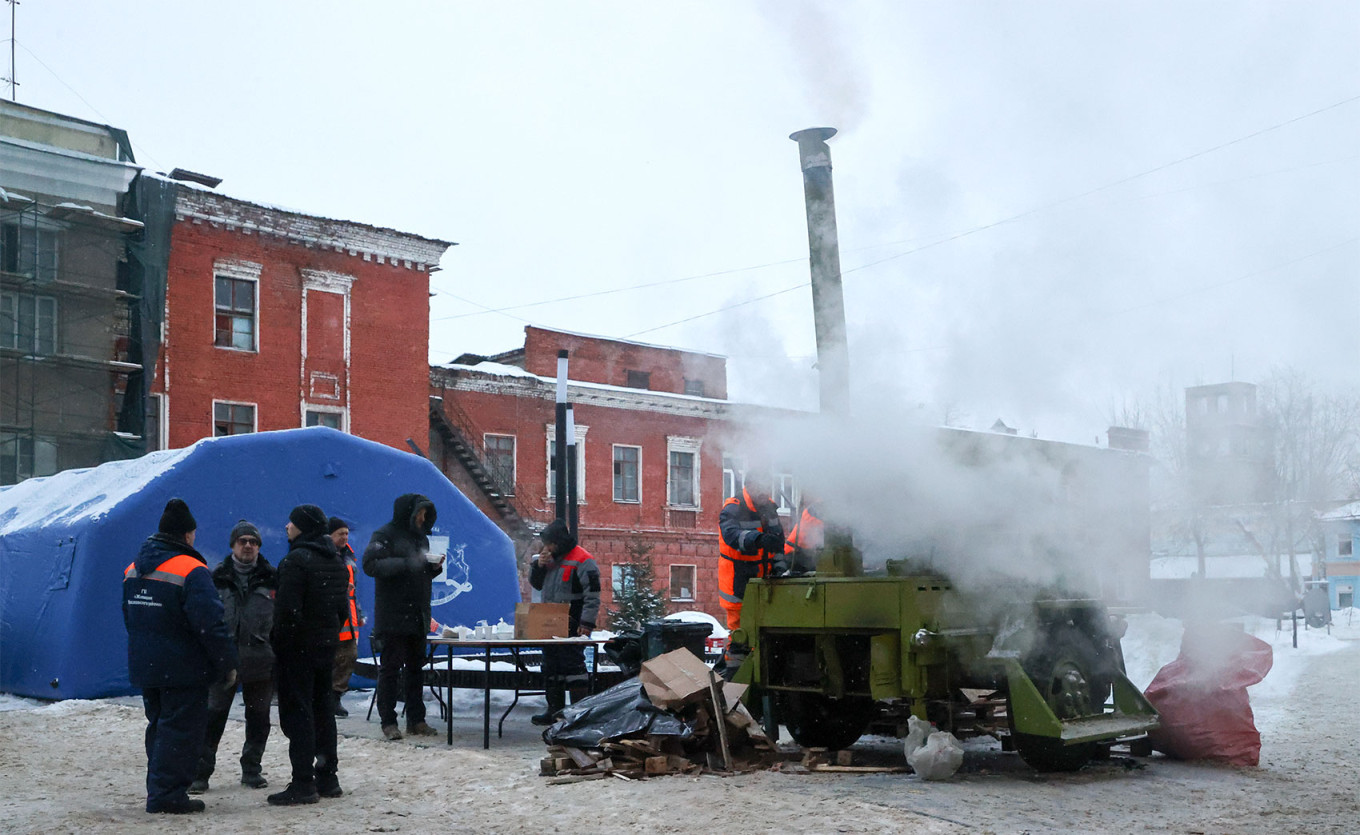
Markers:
433,558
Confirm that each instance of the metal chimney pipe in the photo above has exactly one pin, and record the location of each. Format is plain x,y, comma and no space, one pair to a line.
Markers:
824,255
560,439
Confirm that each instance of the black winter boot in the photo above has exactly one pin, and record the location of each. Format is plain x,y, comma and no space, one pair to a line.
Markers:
187,806
295,795
556,695
328,785
340,705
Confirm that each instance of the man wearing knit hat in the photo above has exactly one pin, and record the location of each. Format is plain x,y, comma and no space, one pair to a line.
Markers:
347,652
564,572
246,583
177,646
310,605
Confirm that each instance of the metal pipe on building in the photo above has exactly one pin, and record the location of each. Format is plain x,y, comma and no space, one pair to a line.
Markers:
828,300
560,439
573,504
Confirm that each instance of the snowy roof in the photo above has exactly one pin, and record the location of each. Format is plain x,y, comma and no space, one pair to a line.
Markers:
75,495
1344,513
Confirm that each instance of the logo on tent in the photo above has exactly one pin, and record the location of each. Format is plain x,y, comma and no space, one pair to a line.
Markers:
453,578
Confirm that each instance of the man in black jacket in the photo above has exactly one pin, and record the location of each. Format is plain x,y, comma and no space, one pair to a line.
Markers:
177,646
398,559
309,607
246,582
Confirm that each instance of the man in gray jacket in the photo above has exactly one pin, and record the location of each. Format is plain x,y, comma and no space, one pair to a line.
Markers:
565,573
246,583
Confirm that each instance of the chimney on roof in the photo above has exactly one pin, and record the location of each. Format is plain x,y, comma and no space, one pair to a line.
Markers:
187,176
1125,437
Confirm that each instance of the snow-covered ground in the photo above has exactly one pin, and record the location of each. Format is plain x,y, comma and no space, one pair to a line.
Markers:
78,766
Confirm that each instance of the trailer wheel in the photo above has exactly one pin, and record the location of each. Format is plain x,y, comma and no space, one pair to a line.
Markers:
1072,679
817,721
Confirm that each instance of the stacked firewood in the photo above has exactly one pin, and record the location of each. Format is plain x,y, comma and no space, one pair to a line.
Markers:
739,746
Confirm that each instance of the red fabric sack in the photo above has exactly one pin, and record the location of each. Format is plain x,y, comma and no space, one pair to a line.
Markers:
1202,696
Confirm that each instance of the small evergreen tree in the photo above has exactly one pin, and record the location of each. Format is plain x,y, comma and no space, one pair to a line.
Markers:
636,599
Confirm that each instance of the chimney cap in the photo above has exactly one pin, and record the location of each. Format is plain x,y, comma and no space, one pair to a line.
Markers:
820,134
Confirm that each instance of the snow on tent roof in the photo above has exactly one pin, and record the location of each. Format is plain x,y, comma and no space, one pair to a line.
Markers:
66,539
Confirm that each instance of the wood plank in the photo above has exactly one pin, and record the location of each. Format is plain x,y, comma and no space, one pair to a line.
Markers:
575,778
581,758
860,769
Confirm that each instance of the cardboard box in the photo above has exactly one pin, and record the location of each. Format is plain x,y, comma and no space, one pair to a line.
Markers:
534,621
674,679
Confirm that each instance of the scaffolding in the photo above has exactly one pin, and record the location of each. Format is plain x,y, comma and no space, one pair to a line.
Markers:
66,337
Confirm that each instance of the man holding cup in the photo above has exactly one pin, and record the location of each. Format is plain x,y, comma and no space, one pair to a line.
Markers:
398,559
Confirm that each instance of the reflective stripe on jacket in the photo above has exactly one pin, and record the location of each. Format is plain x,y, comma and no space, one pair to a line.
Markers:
349,630
173,616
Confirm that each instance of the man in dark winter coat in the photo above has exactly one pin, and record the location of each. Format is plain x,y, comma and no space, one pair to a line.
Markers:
246,582
177,646
565,573
398,558
309,607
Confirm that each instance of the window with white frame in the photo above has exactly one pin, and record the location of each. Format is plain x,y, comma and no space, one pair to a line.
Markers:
682,471
334,418
24,456
627,471
236,305
682,581
28,323
233,418
26,249
499,451
580,462
734,476
785,491
1344,546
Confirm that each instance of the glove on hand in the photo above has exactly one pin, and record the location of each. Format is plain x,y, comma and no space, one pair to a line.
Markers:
772,543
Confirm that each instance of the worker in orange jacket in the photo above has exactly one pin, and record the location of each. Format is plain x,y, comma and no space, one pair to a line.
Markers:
750,544
347,653
805,539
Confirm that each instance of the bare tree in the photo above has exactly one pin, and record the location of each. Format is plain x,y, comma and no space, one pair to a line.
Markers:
1314,450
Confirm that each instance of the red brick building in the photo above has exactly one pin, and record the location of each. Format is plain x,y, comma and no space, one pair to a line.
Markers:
276,319
656,449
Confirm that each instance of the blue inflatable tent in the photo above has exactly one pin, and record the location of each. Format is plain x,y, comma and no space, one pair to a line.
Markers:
66,539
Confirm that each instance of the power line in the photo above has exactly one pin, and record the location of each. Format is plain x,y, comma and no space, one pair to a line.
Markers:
597,293
1032,211
95,110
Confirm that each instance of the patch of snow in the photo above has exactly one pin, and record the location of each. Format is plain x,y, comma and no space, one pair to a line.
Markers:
719,631
9,701
75,495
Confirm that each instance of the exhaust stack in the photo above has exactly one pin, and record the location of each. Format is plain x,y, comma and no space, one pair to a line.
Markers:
824,255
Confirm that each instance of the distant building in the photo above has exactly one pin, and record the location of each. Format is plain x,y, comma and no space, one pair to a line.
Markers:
276,319
1340,529
1227,445
656,449
65,294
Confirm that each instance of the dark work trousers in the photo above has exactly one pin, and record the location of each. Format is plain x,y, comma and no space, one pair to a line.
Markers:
177,718
256,696
306,711
402,652
564,668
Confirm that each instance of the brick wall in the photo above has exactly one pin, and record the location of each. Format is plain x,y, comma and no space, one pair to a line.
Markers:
523,408
598,360
385,384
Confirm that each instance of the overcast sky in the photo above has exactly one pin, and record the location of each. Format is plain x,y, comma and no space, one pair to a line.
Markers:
1044,208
